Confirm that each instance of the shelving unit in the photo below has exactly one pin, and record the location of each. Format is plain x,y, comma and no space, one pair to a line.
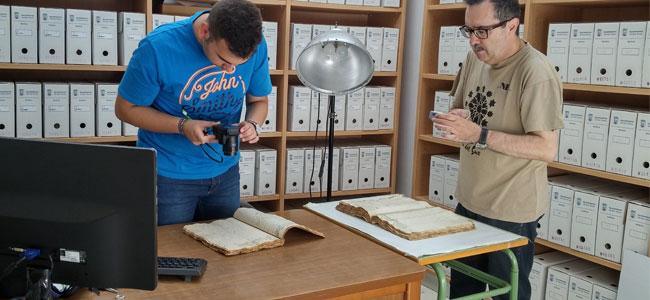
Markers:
284,12
536,15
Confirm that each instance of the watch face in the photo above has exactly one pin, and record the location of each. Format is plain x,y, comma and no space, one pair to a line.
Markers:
480,146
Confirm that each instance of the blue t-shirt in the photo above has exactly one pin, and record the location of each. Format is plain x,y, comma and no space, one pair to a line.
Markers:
170,72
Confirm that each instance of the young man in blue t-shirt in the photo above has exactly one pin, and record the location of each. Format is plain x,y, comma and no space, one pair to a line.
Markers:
184,78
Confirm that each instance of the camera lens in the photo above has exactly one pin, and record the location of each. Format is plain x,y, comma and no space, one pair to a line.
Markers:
230,145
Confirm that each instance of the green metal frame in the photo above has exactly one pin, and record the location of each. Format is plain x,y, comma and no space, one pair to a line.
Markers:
497,285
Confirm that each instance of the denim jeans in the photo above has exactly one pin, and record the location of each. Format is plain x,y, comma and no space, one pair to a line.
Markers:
186,200
496,263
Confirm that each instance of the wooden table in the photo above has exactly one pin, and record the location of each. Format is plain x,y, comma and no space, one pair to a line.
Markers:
343,265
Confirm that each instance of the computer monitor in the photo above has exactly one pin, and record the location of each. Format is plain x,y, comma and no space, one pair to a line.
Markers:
91,207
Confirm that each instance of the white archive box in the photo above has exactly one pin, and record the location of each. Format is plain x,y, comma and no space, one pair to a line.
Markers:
539,271
620,143
389,49
265,170
339,110
594,142
318,29
128,129
585,215
374,44
82,109
295,168
366,167
645,77
354,110
559,276
349,168
104,40
270,124
371,2
29,110
180,18
580,285
371,108
24,34
631,42
299,108
51,35
5,34
359,33
246,172
311,182
446,50
580,51
603,60
447,1
542,223
461,48
318,1
641,159
270,32
300,37
335,168
7,109
386,107
611,223
106,122
557,49
605,283
353,2
132,27
570,149
336,1
437,179
382,166
78,33
160,19
561,210
637,226
390,3
56,109
442,103
452,167
318,110
521,31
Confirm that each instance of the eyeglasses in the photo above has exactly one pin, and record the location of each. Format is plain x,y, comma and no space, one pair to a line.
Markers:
481,32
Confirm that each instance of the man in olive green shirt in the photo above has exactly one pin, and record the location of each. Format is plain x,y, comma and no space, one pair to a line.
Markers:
506,112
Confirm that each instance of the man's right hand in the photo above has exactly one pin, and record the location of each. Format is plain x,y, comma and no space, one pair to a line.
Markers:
197,131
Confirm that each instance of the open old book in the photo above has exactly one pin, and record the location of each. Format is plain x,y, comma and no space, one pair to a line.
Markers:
249,230
406,217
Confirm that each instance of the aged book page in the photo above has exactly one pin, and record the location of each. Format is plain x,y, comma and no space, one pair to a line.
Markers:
367,208
247,231
423,223
406,217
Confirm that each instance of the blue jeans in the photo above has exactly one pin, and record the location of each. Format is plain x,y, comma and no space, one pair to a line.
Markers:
496,263
187,200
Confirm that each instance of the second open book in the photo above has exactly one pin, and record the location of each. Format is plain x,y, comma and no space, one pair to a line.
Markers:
406,217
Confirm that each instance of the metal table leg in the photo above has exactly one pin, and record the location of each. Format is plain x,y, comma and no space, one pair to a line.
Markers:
497,285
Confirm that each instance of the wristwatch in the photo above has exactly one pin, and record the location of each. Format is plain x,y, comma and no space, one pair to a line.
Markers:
482,139
257,127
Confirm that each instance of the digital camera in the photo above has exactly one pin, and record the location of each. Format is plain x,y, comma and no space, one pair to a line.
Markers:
228,137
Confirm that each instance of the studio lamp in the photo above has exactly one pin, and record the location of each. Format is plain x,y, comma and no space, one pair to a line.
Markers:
334,63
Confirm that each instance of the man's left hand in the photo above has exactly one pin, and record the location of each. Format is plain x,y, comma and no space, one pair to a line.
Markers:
247,133
457,129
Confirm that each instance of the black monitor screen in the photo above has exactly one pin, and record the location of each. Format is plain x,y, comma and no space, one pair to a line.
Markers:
89,209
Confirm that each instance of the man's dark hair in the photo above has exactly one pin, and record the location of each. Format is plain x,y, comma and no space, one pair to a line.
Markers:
239,22
503,9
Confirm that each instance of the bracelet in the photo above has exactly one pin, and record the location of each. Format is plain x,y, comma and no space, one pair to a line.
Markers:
180,125
183,125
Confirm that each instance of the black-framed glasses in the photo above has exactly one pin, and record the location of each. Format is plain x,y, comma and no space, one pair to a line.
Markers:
481,32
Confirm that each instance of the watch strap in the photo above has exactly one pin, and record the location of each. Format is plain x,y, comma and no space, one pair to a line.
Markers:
482,140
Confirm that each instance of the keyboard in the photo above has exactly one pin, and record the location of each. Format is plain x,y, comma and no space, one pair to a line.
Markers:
181,266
